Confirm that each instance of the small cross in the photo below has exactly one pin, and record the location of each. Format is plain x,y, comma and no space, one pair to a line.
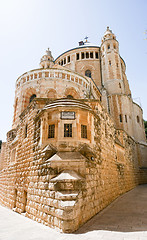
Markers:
86,38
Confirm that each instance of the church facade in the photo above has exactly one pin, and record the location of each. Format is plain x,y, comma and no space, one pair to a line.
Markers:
77,140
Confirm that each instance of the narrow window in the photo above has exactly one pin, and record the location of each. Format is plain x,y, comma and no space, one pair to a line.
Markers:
24,201
83,131
126,118
87,55
138,119
77,56
100,98
91,54
68,58
67,130
15,198
26,130
82,55
119,85
110,63
108,46
88,73
64,60
32,97
114,46
96,55
117,64
51,131
61,62
120,118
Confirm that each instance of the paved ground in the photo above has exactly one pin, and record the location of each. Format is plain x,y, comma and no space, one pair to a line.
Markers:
124,219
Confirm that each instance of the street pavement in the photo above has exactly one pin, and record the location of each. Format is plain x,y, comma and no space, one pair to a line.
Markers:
124,219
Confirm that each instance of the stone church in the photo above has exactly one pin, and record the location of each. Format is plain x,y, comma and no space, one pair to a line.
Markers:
77,140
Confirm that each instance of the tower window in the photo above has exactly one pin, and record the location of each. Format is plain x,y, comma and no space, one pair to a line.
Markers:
87,55
96,55
64,60
61,62
91,54
138,119
77,56
110,63
119,85
88,73
117,64
126,118
108,46
68,58
51,131
114,46
67,130
82,55
83,131
32,97
120,118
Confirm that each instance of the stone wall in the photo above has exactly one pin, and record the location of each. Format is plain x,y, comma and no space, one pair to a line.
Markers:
63,189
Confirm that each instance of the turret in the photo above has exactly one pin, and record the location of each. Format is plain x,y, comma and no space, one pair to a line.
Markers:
112,78
47,60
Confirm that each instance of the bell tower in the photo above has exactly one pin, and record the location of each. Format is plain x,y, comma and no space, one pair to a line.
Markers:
112,78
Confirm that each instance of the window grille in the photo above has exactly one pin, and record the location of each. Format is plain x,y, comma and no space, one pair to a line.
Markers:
83,131
67,130
51,131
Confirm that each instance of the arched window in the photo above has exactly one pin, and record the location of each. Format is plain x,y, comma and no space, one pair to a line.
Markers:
88,73
120,118
32,97
70,96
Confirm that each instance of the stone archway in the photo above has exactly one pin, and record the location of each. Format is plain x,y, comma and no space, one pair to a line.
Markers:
52,93
26,98
72,93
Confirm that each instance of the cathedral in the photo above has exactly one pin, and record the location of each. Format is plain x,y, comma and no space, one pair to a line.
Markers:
77,140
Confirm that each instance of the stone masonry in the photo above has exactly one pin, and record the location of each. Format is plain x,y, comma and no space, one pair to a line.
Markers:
77,140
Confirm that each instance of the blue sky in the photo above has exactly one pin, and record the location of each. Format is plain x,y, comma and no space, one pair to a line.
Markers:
29,27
